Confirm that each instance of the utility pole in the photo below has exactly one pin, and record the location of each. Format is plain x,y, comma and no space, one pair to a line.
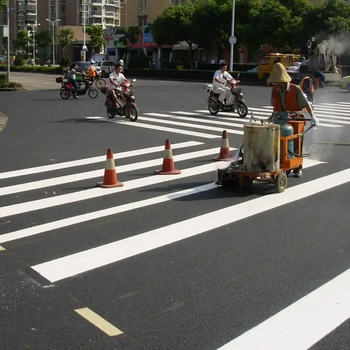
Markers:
84,30
53,37
232,38
8,43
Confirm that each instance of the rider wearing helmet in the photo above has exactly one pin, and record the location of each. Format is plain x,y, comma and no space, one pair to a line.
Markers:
116,78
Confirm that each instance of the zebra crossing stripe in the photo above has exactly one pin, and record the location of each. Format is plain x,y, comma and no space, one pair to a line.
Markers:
91,259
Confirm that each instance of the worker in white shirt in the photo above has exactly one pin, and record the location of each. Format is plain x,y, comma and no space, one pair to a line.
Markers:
219,79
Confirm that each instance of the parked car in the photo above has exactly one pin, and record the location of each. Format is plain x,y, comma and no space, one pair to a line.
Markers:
345,83
106,67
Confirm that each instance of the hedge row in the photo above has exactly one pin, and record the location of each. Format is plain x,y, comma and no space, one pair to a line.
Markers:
200,75
242,67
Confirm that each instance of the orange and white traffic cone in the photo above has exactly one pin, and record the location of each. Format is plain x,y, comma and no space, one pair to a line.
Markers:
225,154
110,178
168,167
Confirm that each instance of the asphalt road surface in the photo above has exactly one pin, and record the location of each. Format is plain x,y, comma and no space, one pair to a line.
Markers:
167,262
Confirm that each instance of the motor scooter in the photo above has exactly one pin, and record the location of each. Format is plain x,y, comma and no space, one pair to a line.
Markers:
67,89
126,106
235,102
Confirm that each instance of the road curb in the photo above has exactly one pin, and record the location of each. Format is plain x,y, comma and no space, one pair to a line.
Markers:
3,121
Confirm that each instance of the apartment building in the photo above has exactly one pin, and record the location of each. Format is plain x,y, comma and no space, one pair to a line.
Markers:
23,14
71,12
143,12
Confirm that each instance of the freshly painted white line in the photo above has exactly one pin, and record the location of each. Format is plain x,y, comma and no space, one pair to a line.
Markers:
191,125
2,248
162,128
343,103
90,259
334,106
85,161
34,230
303,323
29,186
335,111
74,220
323,120
232,115
217,119
69,198
197,120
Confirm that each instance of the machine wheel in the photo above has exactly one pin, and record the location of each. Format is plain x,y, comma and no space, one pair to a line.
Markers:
65,94
242,109
348,87
133,113
100,83
247,182
213,108
93,93
110,113
281,182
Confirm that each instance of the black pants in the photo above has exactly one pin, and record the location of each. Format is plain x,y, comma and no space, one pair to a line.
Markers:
74,83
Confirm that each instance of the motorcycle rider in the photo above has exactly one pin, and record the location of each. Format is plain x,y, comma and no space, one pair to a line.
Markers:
219,79
116,78
72,78
92,71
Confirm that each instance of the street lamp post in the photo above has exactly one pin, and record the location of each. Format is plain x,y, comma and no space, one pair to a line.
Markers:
84,30
34,26
53,38
8,44
232,38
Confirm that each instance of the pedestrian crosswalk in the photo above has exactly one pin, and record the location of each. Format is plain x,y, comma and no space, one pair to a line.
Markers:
24,219
199,123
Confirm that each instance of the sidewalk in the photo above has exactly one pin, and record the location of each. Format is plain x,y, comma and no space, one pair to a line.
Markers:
35,81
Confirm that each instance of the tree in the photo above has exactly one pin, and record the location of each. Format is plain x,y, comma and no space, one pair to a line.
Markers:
97,40
329,18
3,4
275,23
22,41
211,25
43,41
65,38
131,35
175,25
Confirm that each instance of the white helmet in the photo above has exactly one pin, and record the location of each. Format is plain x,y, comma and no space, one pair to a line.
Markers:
92,62
121,62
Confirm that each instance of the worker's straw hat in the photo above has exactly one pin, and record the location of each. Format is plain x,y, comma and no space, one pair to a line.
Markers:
279,74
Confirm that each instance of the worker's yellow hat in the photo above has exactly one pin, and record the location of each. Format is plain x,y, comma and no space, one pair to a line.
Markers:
279,74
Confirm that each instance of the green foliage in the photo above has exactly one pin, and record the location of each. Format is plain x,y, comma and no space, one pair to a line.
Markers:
285,24
22,41
175,24
131,34
43,39
138,60
65,38
95,33
66,61
3,4
18,61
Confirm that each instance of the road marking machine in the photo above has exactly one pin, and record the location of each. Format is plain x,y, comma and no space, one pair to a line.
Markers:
271,150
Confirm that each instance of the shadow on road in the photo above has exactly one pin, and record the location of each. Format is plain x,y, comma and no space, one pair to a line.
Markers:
80,120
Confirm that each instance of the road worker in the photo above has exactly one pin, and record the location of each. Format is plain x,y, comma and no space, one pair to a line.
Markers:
287,97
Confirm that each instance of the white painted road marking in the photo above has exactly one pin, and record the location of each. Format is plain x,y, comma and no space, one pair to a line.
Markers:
45,203
55,181
54,225
86,161
303,323
160,128
91,259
